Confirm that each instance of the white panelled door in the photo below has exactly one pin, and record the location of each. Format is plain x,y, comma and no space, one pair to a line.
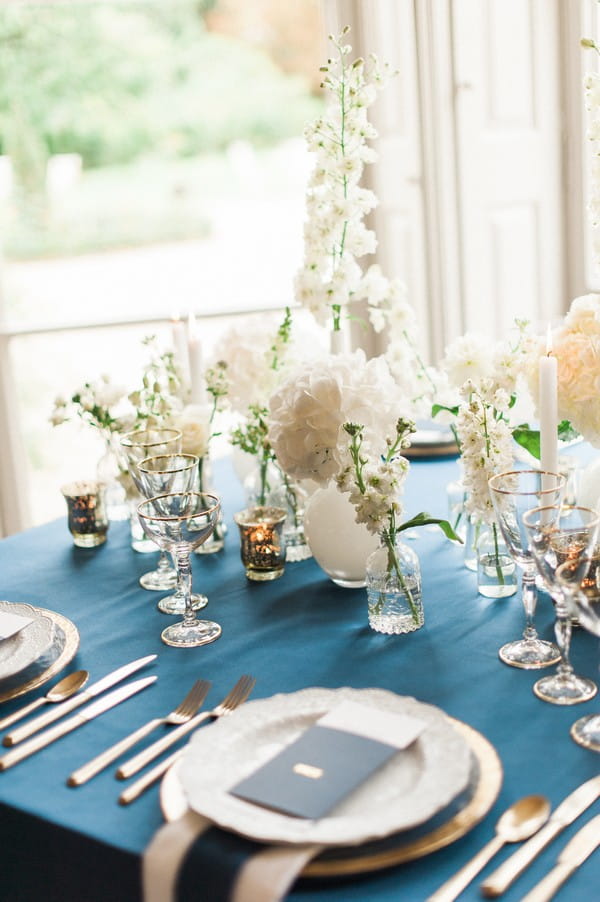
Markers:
508,147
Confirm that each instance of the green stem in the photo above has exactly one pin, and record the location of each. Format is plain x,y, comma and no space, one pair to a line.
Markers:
499,572
393,564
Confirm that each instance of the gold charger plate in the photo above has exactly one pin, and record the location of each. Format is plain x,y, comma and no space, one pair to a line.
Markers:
66,655
358,860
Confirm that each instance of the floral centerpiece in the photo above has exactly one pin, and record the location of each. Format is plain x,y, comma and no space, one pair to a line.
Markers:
309,418
375,481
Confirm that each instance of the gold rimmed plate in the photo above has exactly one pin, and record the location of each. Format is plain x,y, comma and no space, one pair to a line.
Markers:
65,645
398,848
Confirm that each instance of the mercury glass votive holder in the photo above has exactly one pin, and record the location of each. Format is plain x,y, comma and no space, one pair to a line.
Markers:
261,542
86,512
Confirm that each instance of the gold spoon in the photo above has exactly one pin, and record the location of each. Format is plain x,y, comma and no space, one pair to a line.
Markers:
520,821
64,689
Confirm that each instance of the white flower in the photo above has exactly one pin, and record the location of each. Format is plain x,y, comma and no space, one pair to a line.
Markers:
486,444
468,357
307,412
576,345
194,423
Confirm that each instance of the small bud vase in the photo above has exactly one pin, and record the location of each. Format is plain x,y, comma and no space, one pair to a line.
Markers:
393,577
216,540
496,568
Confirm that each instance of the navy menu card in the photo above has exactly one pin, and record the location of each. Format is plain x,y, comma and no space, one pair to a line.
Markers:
329,760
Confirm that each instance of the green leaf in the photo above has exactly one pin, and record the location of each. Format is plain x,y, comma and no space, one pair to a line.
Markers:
424,519
528,439
436,408
566,432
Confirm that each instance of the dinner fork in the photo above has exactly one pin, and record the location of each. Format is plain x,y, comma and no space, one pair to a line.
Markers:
184,711
232,700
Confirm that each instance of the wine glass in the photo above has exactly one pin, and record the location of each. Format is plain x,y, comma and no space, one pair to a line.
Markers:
134,447
580,580
179,522
556,537
161,475
513,494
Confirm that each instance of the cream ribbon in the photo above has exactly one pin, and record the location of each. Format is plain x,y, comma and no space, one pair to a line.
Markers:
267,876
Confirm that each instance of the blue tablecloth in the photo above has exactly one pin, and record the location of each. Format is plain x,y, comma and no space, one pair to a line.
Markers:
79,845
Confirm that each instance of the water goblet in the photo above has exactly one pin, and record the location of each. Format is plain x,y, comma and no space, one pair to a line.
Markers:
162,475
555,537
514,493
179,523
580,580
134,447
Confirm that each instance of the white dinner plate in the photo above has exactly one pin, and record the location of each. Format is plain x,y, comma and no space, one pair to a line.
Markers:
21,651
407,791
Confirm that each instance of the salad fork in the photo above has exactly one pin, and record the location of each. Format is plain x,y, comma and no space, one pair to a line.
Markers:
232,700
184,711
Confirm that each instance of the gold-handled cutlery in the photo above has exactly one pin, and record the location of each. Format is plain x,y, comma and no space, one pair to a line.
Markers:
140,786
519,822
572,856
232,700
63,690
181,714
78,720
43,720
568,810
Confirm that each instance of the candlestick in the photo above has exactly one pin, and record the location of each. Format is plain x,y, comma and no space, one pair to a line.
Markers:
548,409
180,351
197,383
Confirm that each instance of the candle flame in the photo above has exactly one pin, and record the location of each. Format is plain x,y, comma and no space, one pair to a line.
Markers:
175,317
192,326
549,340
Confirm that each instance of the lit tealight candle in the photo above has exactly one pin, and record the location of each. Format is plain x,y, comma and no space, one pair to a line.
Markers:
548,408
197,384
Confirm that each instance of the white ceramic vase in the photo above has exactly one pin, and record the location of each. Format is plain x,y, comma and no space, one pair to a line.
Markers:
339,544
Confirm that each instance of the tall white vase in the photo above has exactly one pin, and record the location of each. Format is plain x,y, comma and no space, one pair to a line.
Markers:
339,544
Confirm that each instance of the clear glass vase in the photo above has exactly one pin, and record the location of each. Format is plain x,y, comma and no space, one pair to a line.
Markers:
496,568
393,577
216,540
108,471
473,531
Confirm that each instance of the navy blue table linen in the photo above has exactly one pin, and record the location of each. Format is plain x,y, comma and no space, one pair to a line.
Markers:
62,844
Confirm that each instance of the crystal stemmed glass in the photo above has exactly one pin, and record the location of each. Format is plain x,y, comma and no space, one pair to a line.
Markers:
136,446
179,523
580,580
165,474
556,537
513,494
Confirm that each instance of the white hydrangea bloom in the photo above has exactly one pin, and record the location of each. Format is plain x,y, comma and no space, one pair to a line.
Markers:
308,410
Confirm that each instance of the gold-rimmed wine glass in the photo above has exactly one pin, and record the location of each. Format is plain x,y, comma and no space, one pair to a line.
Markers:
514,493
556,537
135,446
179,523
165,474
580,580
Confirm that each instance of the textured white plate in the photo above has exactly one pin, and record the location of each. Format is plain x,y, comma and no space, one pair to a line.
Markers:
408,790
31,643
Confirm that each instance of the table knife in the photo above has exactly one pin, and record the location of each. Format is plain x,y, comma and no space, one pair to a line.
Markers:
568,810
65,707
574,854
78,720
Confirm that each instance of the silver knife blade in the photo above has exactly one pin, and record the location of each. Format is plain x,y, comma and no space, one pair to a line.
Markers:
113,698
577,802
582,844
48,717
36,743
